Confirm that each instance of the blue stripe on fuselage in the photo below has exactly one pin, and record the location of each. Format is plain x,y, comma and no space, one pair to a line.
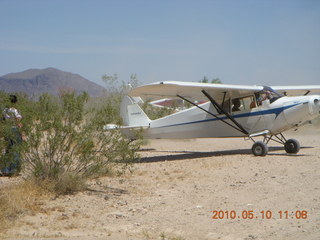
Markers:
275,111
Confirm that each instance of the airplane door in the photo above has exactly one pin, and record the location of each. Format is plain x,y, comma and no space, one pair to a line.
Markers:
266,119
247,113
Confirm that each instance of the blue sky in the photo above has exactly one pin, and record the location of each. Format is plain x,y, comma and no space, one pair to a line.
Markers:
269,42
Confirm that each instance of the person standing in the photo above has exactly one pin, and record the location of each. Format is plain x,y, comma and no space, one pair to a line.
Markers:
11,160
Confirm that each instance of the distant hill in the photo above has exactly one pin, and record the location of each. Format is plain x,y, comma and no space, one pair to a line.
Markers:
49,80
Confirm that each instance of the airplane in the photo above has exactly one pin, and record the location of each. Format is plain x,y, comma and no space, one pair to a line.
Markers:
224,111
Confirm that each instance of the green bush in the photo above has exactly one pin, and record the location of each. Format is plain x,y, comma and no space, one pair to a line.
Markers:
65,143
154,112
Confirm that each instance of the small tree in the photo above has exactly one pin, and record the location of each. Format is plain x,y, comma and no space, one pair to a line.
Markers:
214,81
204,80
66,143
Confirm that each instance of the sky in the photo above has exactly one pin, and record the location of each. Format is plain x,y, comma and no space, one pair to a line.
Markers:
248,42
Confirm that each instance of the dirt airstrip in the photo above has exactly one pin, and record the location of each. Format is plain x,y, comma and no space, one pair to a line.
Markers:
175,189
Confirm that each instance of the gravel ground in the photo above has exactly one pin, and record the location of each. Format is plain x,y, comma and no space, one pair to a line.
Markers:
193,189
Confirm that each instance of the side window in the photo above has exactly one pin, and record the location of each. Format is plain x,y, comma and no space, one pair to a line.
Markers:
243,104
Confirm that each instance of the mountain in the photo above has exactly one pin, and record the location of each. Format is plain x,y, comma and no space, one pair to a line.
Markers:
49,80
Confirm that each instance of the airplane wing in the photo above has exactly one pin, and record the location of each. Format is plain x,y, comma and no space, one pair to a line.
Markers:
192,90
297,90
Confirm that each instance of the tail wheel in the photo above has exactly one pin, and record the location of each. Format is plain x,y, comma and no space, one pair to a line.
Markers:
292,146
260,149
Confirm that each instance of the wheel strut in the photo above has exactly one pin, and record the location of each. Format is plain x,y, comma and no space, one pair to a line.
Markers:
260,148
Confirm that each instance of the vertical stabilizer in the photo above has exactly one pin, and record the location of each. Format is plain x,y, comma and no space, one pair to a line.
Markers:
132,114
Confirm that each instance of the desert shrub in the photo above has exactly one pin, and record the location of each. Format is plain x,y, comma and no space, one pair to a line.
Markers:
154,112
66,144
19,198
117,89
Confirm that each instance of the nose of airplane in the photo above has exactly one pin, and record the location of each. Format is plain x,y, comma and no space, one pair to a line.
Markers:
314,105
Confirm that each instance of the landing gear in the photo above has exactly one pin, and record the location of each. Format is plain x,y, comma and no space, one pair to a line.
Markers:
292,146
260,148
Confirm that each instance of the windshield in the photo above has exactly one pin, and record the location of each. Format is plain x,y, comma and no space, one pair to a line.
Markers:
273,92
267,93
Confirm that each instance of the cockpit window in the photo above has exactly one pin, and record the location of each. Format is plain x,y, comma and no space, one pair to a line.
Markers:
267,93
273,92
242,104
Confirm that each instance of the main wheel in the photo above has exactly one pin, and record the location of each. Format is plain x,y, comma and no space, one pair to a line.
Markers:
292,146
259,149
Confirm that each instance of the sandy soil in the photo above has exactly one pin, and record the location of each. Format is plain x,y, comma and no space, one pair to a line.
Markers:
173,192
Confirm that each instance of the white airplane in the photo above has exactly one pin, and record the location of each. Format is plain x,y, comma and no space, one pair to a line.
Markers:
230,111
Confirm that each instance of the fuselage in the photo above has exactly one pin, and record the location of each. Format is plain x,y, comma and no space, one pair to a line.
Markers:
275,116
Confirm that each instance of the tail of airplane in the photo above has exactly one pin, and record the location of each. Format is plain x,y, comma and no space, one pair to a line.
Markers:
132,114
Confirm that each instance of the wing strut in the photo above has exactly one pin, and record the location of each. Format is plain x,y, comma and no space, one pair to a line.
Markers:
236,128
224,112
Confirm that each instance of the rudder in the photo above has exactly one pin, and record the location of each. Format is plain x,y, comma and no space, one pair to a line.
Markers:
132,114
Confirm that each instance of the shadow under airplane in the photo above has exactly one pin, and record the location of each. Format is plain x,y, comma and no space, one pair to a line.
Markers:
184,155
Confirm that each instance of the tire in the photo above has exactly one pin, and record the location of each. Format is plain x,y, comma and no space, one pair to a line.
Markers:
292,146
259,149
